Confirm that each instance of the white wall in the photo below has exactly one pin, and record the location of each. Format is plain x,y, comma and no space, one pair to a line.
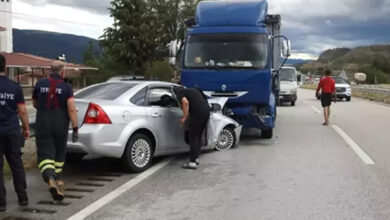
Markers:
6,44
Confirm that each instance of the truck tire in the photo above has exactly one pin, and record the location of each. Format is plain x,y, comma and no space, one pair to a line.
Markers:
138,153
267,134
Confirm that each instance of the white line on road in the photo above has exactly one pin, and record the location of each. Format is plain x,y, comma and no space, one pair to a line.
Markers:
84,213
355,147
316,109
381,106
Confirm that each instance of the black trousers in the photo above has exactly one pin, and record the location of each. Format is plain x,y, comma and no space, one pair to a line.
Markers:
52,126
195,131
10,147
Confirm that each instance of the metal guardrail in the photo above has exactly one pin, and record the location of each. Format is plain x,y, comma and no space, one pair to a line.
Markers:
371,89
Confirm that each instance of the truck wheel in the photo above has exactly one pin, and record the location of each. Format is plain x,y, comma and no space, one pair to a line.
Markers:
267,134
138,153
226,139
293,103
348,99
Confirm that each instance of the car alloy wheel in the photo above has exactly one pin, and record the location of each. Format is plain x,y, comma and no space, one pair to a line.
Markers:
140,153
226,139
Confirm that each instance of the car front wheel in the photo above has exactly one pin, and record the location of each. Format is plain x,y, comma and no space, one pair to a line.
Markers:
226,139
138,153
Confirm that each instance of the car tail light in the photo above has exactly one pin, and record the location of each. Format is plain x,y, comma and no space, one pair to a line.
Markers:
96,115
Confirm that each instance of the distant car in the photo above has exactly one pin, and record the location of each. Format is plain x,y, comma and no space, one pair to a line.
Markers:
288,85
343,89
139,120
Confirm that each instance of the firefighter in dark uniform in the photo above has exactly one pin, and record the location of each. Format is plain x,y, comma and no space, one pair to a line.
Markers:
53,99
196,113
12,105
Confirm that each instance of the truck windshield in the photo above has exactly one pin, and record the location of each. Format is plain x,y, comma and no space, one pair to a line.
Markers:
287,75
227,51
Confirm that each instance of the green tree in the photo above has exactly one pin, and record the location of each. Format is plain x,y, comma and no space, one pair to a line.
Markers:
128,40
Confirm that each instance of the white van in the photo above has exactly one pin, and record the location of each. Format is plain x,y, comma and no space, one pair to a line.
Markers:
288,85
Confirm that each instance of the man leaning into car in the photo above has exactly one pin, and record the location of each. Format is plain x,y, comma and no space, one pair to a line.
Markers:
53,99
196,112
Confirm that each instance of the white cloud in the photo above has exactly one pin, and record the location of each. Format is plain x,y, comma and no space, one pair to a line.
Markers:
61,19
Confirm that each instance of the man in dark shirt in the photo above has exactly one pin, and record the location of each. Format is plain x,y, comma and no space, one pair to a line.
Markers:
53,99
327,87
197,111
12,108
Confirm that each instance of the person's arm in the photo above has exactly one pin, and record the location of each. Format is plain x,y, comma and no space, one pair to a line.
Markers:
22,111
72,113
35,96
318,88
35,103
185,106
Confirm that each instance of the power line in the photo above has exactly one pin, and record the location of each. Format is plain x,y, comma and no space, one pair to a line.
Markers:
42,17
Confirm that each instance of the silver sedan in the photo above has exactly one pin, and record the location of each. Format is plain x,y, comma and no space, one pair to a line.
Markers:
139,120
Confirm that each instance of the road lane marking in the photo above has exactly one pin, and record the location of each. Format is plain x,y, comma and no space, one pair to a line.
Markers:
84,213
381,106
316,109
355,147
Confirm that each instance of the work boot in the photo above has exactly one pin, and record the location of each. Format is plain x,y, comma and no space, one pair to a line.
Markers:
55,192
61,186
23,200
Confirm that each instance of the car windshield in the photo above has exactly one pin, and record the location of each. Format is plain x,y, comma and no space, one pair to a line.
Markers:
106,91
339,80
287,75
226,51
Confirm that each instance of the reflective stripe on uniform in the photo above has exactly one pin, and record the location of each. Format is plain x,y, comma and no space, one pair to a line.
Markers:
46,162
47,166
58,170
59,164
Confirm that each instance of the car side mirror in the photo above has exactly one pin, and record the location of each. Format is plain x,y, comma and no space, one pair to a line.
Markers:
286,50
216,107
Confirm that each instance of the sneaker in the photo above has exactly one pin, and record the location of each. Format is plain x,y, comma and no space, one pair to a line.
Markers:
55,192
197,161
23,200
190,165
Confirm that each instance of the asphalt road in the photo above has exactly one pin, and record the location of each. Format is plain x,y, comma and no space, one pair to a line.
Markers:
307,171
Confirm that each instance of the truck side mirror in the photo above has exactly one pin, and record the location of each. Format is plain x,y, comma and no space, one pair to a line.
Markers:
286,50
173,50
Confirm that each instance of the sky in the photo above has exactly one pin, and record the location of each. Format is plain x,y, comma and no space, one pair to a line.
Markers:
312,25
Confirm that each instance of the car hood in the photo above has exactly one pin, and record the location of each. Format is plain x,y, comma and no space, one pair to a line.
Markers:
343,85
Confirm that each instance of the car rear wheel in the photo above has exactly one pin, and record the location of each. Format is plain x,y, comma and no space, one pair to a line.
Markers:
348,99
138,153
226,139
267,134
293,103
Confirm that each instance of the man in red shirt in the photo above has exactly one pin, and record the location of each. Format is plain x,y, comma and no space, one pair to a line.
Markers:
328,89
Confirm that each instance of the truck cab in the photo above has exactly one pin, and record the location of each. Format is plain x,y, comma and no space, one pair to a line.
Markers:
232,49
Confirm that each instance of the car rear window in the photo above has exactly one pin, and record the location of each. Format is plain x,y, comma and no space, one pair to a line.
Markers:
107,91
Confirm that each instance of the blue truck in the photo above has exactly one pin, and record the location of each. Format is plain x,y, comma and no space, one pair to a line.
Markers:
234,49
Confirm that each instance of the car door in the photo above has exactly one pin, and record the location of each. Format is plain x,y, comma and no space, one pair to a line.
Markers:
164,118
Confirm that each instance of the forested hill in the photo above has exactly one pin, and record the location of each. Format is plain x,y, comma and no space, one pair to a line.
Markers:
51,44
372,60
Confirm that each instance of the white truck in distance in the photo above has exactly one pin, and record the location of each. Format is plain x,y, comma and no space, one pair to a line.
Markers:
288,85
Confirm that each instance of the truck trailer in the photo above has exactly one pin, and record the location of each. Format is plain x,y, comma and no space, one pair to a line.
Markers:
234,49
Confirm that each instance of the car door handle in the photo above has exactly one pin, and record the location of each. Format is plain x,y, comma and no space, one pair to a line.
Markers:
156,115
